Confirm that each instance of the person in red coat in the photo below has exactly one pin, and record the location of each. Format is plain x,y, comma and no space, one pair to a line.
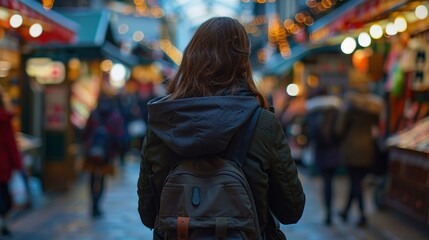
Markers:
10,159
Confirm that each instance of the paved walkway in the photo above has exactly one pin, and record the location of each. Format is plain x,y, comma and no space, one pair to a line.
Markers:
65,216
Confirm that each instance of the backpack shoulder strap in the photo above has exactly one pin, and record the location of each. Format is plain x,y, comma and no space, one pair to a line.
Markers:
239,145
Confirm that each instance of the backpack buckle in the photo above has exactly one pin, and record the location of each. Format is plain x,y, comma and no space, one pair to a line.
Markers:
182,228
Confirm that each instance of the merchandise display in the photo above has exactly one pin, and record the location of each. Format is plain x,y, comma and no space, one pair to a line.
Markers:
407,189
414,138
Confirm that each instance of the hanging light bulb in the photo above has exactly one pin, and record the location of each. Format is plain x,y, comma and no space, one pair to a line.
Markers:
376,31
364,39
421,12
391,29
15,21
36,30
400,24
348,45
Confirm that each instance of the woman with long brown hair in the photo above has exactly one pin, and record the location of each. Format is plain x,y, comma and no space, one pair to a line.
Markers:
211,96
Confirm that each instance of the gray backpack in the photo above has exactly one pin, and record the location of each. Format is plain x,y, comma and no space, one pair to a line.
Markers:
209,197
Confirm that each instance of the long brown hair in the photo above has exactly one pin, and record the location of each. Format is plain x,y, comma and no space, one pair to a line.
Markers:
215,60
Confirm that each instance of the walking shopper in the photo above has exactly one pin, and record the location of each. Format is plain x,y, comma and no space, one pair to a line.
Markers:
102,135
357,124
10,159
322,113
211,97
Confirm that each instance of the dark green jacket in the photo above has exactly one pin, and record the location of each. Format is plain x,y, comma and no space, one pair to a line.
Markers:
196,126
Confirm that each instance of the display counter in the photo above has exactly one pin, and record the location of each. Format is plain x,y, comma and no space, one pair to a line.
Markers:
408,184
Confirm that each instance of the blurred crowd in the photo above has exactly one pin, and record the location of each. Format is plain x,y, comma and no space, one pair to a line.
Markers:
332,135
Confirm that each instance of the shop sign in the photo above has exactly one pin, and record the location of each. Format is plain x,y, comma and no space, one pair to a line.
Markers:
46,71
56,108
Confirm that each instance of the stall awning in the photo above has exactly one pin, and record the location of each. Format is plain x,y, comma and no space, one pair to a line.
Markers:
111,51
279,66
93,26
56,28
94,39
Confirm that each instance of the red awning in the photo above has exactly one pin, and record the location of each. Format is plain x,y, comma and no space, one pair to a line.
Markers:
56,28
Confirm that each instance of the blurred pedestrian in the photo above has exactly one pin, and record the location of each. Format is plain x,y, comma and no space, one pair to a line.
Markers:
357,124
10,159
102,135
212,95
322,113
127,103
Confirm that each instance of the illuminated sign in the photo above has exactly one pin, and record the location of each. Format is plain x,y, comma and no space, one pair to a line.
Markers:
46,71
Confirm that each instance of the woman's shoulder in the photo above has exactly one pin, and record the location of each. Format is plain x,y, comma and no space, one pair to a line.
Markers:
268,121
267,115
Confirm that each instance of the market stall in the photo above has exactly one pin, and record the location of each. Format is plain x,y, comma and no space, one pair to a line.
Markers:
408,184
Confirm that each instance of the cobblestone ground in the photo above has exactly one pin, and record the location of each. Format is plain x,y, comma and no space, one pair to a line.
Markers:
65,216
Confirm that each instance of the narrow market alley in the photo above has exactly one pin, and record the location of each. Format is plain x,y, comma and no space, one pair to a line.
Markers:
65,216
83,82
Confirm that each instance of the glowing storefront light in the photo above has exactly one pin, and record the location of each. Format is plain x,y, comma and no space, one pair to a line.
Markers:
36,30
376,31
292,89
364,39
421,12
46,71
400,24
16,21
348,45
391,29
118,75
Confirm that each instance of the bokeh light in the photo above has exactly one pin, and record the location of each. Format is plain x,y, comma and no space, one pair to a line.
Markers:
106,65
348,45
421,12
118,74
16,20
376,31
292,89
364,39
36,30
138,36
391,29
400,24
123,28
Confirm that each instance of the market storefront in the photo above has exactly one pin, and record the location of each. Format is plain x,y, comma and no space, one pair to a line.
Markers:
380,45
22,25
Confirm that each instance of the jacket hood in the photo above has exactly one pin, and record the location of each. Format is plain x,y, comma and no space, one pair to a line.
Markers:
200,125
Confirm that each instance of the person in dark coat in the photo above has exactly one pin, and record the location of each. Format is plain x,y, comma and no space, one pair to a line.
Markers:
10,159
211,96
357,124
105,127
322,111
